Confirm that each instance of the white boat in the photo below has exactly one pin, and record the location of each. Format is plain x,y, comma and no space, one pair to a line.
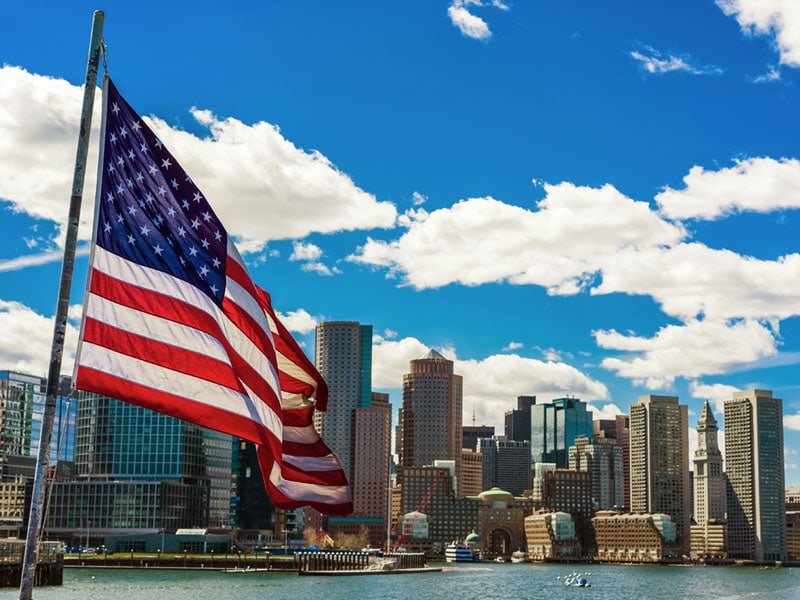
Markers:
459,552
519,557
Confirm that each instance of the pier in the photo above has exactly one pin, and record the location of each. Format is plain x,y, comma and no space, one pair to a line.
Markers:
49,568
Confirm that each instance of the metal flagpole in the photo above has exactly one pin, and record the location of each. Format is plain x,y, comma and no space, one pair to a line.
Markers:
54,373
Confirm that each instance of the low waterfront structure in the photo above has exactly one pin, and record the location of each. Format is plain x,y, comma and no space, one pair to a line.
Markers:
634,538
710,539
793,536
551,536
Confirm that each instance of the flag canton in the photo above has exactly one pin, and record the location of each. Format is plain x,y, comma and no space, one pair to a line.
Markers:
150,210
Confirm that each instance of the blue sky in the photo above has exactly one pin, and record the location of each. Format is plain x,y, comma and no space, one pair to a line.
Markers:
598,199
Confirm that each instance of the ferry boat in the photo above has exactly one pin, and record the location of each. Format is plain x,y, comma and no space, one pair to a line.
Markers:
519,557
459,552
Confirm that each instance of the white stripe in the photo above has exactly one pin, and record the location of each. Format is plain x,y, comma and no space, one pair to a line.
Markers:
268,416
242,298
193,389
310,464
308,492
155,328
292,368
300,435
233,252
163,283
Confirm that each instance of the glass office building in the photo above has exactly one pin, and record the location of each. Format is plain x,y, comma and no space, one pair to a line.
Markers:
554,428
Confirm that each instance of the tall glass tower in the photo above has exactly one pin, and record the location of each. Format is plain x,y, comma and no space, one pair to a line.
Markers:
554,428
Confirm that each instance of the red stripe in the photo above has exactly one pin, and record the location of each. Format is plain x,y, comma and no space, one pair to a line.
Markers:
164,355
249,327
290,472
317,448
298,417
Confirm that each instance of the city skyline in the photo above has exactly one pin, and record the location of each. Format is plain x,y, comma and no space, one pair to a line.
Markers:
562,201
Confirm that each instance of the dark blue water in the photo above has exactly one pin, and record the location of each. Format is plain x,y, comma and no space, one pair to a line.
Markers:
490,581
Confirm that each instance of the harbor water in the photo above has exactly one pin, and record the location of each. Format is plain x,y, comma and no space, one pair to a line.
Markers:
481,581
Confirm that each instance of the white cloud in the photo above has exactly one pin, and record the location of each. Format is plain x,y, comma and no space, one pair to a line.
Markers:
262,186
490,383
607,411
716,393
559,246
318,268
658,63
773,74
299,321
468,23
759,184
305,251
691,350
512,346
792,421
775,18
28,338
417,198
41,258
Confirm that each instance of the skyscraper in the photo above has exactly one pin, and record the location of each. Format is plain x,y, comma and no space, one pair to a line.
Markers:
344,359
470,434
754,465
372,445
602,459
518,420
432,419
618,429
659,441
554,428
709,479
506,464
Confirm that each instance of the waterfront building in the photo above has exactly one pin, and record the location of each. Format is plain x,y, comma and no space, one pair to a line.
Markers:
554,428
501,521
792,499
506,464
659,442
634,538
471,472
618,429
518,420
432,419
470,434
343,356
754,464
602,459
793,536
372,447
709,489
551,536
539,471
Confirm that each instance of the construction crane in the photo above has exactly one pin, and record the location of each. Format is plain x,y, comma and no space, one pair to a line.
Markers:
422,505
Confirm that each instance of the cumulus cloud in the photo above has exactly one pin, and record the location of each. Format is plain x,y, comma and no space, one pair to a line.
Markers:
792,421
716,393
558,246
418,198
512,346
305,251
657,63
490,384
690,350
28,338
778,19
299,321
262,186
760,184
469,24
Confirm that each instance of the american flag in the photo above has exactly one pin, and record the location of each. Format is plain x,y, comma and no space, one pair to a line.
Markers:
172,321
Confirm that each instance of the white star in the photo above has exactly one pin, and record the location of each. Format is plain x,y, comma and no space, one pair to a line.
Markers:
214,289
139,177
119,218
120,161
197,197
189,179
106,227
131,154
132,210
169,241
174,184
113,138
185,204
136,126
166,163
110,197
129,181
149,198
153,169
158,143
183,261
181,232
144,229
158,220
206,216
193,251
111,167
172,212
124,131
205,244
218,236
141,203
196,223
143,147
203,271
115,108
158,249
120,189
131,240
162,190
216,262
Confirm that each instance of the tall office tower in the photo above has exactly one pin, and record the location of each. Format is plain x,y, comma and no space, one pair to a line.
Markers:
344,359
506,464
618,429
709,479
471,472
659,440
602,459
518,420
470,434
754,465
372,441
252,507
432,418
554,428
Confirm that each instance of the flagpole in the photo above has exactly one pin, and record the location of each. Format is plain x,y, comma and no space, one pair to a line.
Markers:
28,575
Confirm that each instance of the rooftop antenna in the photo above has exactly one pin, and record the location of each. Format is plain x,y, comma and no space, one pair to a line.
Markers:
473,413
